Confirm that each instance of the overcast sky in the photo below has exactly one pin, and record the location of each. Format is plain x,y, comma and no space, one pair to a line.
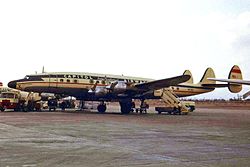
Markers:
155,39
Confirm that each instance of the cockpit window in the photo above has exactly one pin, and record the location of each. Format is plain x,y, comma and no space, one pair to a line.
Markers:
35,77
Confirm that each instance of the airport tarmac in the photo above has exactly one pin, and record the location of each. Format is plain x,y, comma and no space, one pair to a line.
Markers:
204,138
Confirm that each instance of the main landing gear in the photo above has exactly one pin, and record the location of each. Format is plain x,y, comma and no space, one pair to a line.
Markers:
101,107
126,106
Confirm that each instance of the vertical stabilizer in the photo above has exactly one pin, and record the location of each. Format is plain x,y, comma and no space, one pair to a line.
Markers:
191,80
1,84
209,73
235,73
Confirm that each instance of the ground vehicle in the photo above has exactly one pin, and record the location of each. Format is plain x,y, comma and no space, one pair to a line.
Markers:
172,110
19,101
190,105
8,100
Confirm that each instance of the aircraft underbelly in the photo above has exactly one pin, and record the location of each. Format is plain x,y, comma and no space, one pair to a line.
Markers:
76,92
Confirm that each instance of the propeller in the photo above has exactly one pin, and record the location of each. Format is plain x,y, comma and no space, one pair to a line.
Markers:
112,86
98,90
120,86
93,88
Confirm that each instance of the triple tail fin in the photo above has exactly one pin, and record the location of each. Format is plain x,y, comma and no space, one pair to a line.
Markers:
235,73
209,73
191,80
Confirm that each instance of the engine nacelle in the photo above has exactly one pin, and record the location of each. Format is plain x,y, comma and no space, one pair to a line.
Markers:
99,91
120,87
116,88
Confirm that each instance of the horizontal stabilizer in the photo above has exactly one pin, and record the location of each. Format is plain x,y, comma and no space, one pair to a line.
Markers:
163,83
246,95
233,81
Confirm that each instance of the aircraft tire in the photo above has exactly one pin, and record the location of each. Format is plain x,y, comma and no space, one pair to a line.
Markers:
125,107
101,108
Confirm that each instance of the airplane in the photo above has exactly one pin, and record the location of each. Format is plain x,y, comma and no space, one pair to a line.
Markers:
234,80
106,87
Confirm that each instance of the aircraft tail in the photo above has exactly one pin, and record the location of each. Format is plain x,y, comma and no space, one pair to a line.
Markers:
209,73
235,73
187,72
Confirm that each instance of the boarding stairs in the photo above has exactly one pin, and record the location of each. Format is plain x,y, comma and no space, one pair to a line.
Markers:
172,100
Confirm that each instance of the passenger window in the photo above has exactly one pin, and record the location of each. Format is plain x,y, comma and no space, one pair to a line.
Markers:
68,80
61,80
75,81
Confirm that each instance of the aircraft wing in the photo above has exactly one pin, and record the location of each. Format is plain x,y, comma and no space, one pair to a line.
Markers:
235,81
163,83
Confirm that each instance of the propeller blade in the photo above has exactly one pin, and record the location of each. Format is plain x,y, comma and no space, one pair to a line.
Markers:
94,87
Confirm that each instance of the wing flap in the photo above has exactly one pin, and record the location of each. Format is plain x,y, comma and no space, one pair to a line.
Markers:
163,83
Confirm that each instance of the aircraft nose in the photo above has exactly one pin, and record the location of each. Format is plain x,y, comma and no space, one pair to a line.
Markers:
12,84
